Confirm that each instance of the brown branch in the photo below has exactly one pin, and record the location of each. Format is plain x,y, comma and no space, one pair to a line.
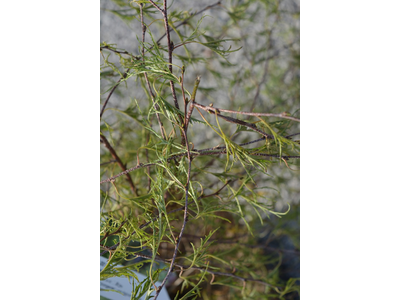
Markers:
195,152
217,110
120,163
108,162
185,215
146,77
192,100
156,6
184,103
116,51
116,231
112,91
164,12
191,16
170,45
170,49
256,154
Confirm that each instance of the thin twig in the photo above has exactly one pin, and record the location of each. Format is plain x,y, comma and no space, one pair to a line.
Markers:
256,154
164,12
112,91
108,162
217,110
146,77
116,231
188,18
192,99
185,215
156,6
294,134
116,51
184,103
170,49
194,153
120,163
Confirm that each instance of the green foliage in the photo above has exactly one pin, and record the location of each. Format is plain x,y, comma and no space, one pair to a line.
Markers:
239,183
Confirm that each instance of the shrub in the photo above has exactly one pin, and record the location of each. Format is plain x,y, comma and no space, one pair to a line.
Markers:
200,148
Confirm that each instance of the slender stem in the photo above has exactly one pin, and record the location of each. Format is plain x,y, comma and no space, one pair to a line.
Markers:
164,12
197,153
108,162
116,51
192,99
116,231
191,16
185,214
146,77
170,49
184,103
112,91
216,110
156,6
120,163
185,218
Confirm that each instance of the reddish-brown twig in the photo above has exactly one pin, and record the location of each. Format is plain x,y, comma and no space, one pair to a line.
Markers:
119,162
195,152
107,234
185,218
146,77
112,91
218,110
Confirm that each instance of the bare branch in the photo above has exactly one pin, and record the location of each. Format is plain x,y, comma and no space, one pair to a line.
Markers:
185,217
120,163
116,51
146,77
217,110
195,152
156,6
112,91
188,18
